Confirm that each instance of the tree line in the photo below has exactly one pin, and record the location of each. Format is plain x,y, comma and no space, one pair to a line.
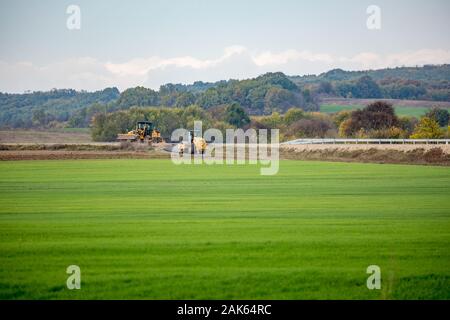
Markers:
377,120
264,95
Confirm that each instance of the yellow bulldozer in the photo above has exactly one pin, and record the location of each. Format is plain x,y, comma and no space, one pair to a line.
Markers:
144,131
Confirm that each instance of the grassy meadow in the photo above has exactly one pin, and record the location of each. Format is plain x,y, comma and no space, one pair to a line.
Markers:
147,229
399,110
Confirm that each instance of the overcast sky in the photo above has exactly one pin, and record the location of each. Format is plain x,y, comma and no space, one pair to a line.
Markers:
149,43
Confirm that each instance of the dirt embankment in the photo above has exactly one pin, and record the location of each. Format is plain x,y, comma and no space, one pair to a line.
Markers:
402,154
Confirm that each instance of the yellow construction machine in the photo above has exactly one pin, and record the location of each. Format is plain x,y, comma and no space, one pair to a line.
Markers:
144,130
198,144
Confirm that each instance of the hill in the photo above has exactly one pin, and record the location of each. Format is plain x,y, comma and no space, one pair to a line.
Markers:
425,73
40,108
430,82
265,94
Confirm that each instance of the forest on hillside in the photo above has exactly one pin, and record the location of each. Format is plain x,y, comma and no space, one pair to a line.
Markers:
263,95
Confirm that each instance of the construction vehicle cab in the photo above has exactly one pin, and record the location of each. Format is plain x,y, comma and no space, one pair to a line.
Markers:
144,129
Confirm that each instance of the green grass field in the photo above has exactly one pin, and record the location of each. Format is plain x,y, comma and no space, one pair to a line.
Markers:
150,229
400,111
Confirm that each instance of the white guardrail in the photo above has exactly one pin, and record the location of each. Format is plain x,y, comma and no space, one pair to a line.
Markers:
367,141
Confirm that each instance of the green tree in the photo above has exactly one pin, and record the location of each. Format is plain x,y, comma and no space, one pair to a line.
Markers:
440,115
293,115
325,87
236,115
367,88
280,100
185,99
195,113
139,97
40,117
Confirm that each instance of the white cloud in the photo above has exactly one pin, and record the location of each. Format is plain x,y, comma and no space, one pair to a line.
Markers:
369,60
143,66
420,57
269,58
236,62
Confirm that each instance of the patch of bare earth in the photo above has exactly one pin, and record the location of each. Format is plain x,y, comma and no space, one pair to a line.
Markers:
55,151
402,154
37,136
72,155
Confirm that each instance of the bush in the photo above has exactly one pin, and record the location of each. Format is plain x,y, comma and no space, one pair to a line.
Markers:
341,116
273,121
293,115
346,129
427,129
310,128
389,133
376,116
407,124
